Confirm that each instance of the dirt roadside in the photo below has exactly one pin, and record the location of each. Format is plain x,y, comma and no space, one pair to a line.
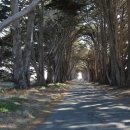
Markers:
37,106
119,92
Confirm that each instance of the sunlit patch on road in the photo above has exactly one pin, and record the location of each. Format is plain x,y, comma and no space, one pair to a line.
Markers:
88,108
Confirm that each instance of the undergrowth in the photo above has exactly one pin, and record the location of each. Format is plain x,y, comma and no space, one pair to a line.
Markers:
11,104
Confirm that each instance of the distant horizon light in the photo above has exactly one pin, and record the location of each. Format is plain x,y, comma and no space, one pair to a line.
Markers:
79,76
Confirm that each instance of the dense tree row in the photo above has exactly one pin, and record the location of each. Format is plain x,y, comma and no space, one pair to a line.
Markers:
65,37
42,39
109,32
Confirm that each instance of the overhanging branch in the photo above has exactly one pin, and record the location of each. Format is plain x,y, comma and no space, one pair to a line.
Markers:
18,15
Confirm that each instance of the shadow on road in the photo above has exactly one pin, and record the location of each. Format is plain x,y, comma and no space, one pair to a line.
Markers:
87,108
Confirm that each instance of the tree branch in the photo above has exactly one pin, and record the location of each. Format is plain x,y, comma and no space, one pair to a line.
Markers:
18,15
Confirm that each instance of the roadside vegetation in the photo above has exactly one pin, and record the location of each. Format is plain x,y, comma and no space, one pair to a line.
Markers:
45,43
23,109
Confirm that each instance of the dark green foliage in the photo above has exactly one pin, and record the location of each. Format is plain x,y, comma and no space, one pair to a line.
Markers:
4,9
5,57
67,6
10,104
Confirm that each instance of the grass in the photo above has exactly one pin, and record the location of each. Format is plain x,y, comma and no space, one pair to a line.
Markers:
10,104
24,109
61,85
58,85
14,103
2,91
55,86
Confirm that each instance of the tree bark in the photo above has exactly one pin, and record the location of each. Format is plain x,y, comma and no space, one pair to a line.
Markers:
41,60
110,13
128,66
28,49
22,57
17,52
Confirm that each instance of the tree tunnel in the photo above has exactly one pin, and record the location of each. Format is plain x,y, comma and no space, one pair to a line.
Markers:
64,38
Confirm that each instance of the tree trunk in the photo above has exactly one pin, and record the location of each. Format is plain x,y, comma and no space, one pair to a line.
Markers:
28,49
111,17
128,67
22,58
41,60
17,52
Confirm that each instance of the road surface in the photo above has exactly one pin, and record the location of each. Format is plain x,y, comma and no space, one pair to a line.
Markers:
88,108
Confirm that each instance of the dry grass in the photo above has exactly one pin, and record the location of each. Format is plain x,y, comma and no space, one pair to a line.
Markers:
39,102
37,106
119,92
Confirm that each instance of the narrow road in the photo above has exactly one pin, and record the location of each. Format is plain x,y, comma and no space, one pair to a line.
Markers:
88,108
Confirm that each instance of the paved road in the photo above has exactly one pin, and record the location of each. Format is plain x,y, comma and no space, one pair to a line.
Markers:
87,108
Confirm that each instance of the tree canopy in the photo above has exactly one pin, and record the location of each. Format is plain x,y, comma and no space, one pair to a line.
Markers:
64,37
